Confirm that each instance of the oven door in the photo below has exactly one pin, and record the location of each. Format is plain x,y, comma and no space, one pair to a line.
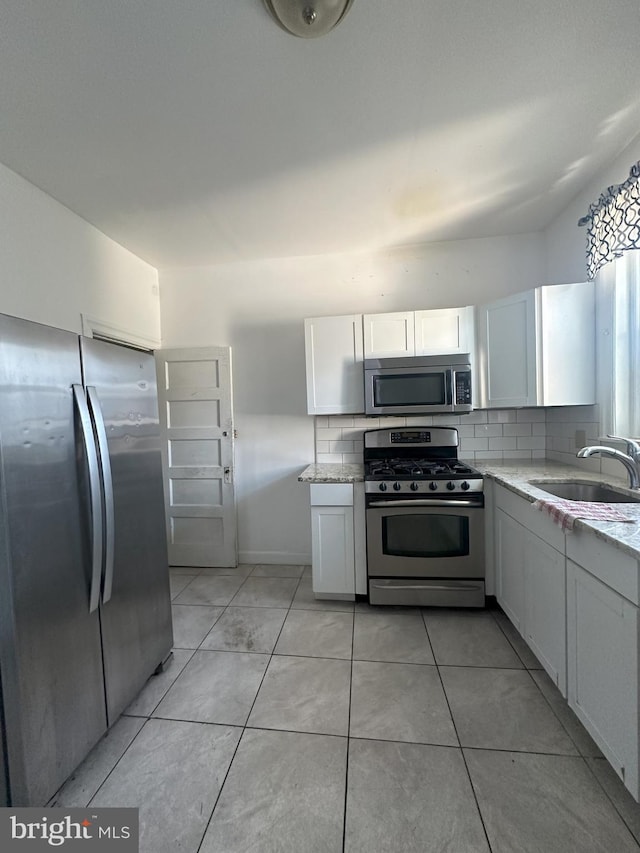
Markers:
425,539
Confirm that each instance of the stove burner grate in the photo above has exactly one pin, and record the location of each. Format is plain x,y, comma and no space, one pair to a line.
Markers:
418,468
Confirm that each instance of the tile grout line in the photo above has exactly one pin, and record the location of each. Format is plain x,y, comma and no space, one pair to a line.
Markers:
244,726
129,745
508,639
145,717
569,735
148,717
610,798
455,728
346,777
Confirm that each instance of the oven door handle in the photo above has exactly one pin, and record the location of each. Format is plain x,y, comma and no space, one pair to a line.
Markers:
466,587
416,503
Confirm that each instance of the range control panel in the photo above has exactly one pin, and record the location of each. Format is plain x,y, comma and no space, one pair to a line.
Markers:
432,488
411,437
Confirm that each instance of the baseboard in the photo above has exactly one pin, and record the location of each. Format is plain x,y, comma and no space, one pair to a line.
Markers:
274,558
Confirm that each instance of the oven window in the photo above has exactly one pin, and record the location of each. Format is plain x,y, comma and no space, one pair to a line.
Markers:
425,535
403,389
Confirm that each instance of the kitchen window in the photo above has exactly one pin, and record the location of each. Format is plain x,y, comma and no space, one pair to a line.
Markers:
618,296
613,260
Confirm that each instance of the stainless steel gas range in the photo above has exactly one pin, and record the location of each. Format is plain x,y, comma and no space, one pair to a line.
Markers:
425,519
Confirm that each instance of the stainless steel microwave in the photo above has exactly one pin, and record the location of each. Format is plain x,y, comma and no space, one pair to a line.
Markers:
418,385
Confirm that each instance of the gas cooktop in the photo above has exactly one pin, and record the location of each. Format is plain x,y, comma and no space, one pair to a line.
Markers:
416,469
417,462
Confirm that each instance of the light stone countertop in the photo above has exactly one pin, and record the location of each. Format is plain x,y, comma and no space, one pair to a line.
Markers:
330,472
516,476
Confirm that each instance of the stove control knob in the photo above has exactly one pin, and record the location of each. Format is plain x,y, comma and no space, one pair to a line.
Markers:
465,486
433,486
450,486
383,487
414,487
396,487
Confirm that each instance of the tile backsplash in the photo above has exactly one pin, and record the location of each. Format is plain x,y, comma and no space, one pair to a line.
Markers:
537,433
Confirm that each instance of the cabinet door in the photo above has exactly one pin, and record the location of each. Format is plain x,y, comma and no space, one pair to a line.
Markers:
444,330
359,539
388,335
545,607
332,551
602,639
509,555
507,331
567,357
335,375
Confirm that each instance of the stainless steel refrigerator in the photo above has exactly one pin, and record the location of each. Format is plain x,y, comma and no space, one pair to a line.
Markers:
85,614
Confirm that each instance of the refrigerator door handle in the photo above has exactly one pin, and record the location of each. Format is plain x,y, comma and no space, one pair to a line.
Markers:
95,495
107,486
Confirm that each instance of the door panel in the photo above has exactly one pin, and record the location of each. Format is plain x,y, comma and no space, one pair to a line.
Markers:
49,642
136,621
509,549
194,389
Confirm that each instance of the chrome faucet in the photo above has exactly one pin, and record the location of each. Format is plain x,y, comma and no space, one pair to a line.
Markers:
630,459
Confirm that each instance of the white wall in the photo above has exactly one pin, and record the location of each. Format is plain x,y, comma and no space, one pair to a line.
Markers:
56,266
565,244
257,308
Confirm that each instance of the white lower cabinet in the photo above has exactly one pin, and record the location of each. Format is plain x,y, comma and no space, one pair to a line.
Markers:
509,555
602,630
574,599
338,568
530,581
545,607
332,551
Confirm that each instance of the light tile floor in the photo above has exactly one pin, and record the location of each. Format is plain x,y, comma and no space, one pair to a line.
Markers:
283,723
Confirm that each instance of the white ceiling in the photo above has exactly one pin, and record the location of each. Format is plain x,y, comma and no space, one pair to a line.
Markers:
198,132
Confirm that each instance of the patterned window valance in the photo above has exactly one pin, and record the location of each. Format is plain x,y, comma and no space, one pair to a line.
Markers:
614,222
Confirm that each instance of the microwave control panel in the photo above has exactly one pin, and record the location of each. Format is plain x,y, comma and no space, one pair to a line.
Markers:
463,387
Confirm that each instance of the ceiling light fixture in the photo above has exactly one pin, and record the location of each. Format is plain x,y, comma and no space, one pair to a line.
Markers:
308,18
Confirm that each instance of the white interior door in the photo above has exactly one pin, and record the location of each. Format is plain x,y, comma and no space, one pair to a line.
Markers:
196,417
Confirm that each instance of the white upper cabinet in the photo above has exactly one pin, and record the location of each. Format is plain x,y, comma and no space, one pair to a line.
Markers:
445,330
432,332
335,377
389,335
537,348
507,331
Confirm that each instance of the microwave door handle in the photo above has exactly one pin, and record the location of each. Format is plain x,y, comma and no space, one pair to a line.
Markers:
450,386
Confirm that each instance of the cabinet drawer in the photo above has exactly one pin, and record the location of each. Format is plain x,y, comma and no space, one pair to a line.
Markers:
535,521
607,563
331,494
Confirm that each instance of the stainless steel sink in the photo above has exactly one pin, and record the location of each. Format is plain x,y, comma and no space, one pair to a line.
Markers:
580,491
